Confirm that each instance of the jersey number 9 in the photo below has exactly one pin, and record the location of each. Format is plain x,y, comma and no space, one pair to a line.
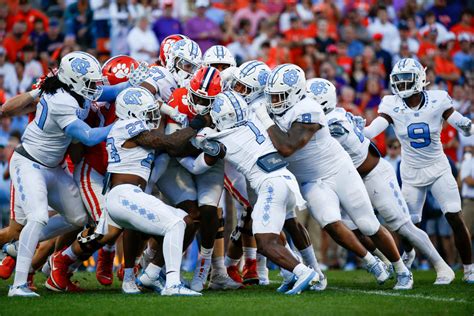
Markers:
421,133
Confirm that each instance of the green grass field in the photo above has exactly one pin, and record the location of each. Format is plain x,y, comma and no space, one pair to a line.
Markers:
348,293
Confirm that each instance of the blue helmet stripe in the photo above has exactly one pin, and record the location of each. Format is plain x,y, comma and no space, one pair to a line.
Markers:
249,67
219,51
271,79
235,104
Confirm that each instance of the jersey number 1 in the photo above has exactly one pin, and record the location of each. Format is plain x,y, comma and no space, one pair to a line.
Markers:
421,133
258,135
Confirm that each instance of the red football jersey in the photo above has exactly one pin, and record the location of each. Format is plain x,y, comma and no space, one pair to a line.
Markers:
96,156
179,100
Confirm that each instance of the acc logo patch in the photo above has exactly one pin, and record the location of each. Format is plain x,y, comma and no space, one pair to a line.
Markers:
132,97
80,66
290,78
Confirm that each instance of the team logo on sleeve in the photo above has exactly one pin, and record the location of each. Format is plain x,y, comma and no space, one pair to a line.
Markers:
318,87
132,97
80,66
290,78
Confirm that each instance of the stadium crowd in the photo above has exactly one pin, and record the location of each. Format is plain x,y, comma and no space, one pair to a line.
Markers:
354,44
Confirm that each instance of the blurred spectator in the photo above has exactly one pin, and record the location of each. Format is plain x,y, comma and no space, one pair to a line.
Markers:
347,100
328,10
218,11
450,141
305,11
241,48
328,72
444,66
166,24
37,32
355,21
16,40
467,192
309,62
50,41
29,15
323,40
383,55
460,96
407,37
121,18
428,46
254,14
371,96
464,59
381,24
100,22
355,47
4,183
403,53
294,37
78,23
447,14
10,79
288,16
430,23
142,41
337,56
465,25
201,29
33,69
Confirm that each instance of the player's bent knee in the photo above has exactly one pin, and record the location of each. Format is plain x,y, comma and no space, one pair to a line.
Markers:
368,226
39,217
415,218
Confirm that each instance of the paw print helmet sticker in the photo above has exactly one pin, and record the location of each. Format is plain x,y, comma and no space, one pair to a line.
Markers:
117,69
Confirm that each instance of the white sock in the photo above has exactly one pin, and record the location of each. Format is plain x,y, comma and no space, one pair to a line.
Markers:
287,275
56,226
173,253
218,266
206,253
262,270
250,253
382,257
153,271
467,268
68,252
228,261
309,258
399,267
300,269
149,253
109,248
128,275
369,259
420,240
29,238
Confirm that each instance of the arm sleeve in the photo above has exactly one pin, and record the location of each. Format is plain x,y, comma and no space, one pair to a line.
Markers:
85,134
110,93
376,127
195,165
461,123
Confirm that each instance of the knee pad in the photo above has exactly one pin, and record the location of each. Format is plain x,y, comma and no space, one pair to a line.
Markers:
368,226
89,240
79,220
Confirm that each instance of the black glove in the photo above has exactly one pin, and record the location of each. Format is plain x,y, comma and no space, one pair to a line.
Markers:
198,122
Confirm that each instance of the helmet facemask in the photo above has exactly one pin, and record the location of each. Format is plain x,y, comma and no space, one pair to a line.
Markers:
278,102
247,92
198,103
92,89
184,69
404,84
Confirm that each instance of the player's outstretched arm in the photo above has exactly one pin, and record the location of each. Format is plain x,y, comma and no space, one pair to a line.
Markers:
87,135
378,125
170,143
21,104
458,121
198,165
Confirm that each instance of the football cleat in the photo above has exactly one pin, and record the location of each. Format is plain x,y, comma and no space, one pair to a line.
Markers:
223,282
379,270
7,267
130,287
408,258
249,272
179,290
444,277
105,265
71,287
11,249
60,270
469,277
22,290
321,284
121,271
307,280
233,272
200,274
287,284
404,281
146,282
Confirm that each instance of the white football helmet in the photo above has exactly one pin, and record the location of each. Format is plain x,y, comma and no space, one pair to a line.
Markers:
250,79
138,103
285,87
82,73
229,110
323,92
184,60
407,78
218,55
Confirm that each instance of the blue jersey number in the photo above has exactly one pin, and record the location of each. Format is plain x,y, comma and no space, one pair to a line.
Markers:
148,160
357,131
114,156
258,135
135,128
156,74
43,106
420,132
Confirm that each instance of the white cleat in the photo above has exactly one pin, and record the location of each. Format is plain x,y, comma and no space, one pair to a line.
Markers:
179,290
408,258
307,280
22,291
223,282
200,274
263,281
379,270
130,287
445,277
469,277
321,284
145,281
404,281
287,284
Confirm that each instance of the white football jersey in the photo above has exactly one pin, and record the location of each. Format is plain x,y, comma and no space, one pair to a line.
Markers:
354,142
44,138
319,157
163,81
419,131
245,144
137,160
